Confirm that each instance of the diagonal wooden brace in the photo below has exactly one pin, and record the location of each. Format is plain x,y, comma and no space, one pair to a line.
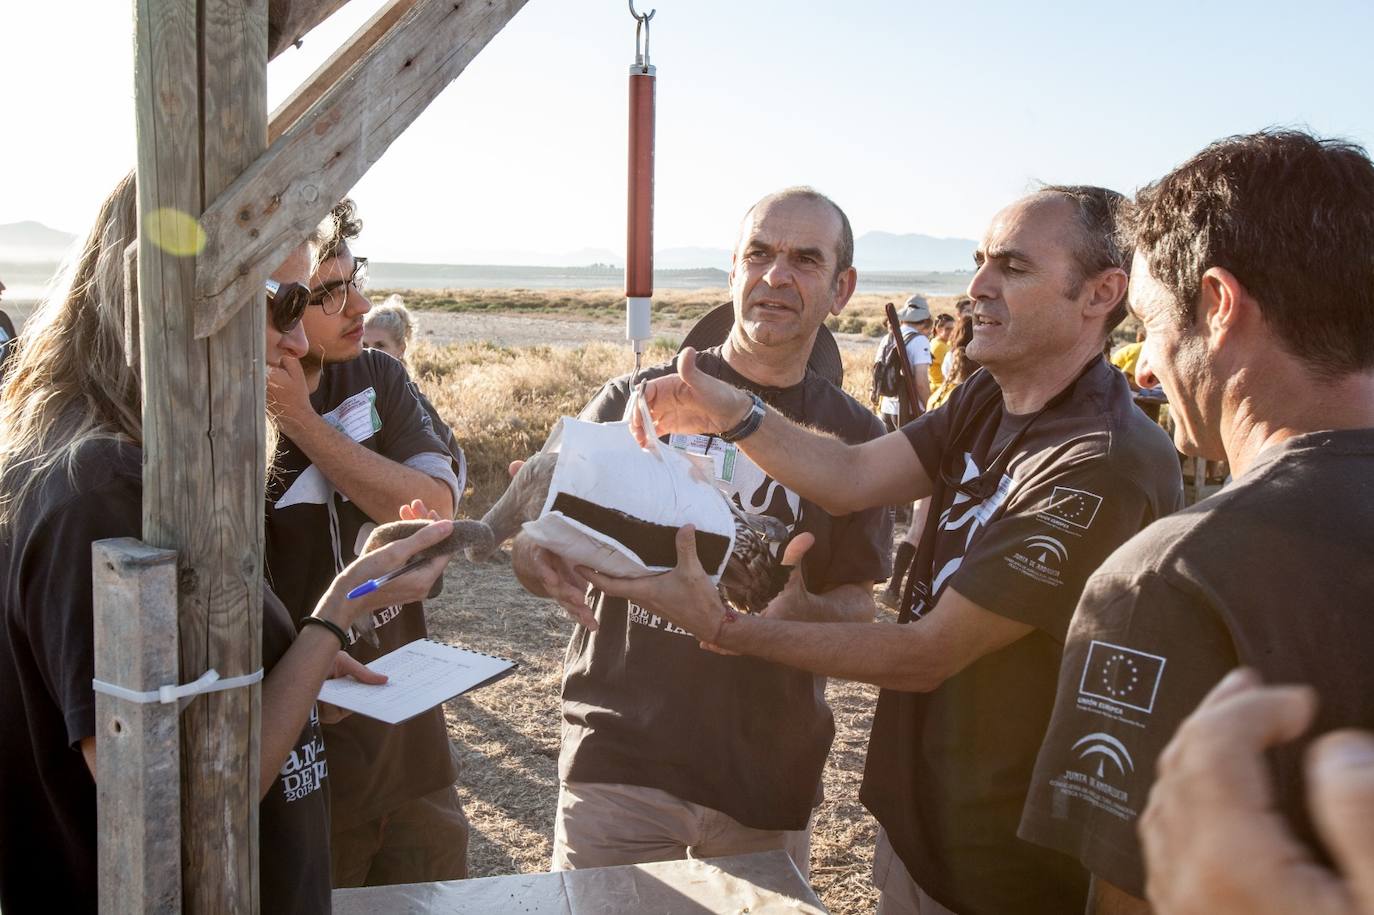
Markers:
275,203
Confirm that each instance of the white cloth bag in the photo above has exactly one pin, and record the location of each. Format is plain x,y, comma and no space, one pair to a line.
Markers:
616,507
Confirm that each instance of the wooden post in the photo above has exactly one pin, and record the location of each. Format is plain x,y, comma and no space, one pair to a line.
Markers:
284,194
200,77
138,785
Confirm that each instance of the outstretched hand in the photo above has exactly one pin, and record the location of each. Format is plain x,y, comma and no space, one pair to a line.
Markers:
793,601
689,402
549,575
684,594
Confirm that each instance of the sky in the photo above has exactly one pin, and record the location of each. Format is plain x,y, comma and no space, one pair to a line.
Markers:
914,116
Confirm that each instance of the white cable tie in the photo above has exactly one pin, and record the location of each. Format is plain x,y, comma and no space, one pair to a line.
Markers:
208,682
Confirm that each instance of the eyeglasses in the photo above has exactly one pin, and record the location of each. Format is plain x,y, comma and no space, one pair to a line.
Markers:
286,304
333,295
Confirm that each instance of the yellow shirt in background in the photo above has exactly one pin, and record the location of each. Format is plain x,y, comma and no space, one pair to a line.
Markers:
938,348
1125,358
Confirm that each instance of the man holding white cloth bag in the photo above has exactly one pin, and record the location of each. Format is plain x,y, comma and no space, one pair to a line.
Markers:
670,751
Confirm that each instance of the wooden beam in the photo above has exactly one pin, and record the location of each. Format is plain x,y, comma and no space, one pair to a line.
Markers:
288,21
200,76
138,786
313,89
285,193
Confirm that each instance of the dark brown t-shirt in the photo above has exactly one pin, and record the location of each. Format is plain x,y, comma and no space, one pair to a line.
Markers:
1050,495
644,704
47,704
313,531
1274,572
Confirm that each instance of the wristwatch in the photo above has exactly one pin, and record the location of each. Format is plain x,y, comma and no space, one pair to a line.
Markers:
751,422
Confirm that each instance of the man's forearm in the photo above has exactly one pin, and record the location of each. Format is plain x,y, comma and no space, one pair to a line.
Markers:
886,655
376,484
851,603
838,477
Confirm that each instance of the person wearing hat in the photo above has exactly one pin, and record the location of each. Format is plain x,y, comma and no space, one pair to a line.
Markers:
670,751
917,325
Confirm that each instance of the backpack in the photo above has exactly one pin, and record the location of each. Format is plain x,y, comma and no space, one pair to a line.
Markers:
887,371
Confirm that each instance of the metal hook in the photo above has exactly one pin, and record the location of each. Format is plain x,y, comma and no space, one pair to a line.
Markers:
635,14
641,24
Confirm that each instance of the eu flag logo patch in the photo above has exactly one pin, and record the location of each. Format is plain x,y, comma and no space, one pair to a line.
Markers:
1073,506
1123,676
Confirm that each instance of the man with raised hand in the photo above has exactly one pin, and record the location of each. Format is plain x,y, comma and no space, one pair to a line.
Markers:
356,446
1254,277
1038,467
670,751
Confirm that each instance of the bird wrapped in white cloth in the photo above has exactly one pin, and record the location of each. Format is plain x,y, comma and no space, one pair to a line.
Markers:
749,580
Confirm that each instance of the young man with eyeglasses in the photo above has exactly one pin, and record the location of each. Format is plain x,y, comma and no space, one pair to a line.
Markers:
356,445
1038,467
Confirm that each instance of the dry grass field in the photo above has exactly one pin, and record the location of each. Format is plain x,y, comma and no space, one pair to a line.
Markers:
501,403
674,310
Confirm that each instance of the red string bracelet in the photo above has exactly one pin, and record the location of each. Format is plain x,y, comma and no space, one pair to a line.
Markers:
728,615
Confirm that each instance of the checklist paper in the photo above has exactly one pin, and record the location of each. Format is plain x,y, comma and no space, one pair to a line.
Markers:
419,676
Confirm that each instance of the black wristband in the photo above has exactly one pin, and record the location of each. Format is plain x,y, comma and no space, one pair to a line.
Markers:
321,621
751,422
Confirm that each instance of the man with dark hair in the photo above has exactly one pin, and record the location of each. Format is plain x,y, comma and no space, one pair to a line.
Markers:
1037,469
670,751
1254,276
356,445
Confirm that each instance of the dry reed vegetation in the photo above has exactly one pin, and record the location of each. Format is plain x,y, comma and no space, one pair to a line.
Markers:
501,403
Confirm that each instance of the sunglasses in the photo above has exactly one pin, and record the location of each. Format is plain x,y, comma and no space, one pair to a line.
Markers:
286,304
333,295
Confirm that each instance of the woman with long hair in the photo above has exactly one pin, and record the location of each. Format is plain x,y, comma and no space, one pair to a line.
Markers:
70,474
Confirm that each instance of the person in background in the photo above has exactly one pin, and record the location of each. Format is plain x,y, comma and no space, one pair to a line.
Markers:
390,327
1215,840
1240,254
1127,355
939,347
8,336
916,325
958,366
897,410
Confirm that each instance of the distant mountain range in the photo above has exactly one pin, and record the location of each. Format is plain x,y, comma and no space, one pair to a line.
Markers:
873,251
881,251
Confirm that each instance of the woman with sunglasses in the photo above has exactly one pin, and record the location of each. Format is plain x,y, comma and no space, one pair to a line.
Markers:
70,474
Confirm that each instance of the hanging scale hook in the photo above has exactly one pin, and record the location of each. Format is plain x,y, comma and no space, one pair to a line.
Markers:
641,25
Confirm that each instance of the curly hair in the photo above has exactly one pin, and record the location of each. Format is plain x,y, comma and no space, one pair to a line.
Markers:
334,231
1292,217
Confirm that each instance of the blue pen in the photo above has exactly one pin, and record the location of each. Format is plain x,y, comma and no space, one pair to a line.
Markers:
372,584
